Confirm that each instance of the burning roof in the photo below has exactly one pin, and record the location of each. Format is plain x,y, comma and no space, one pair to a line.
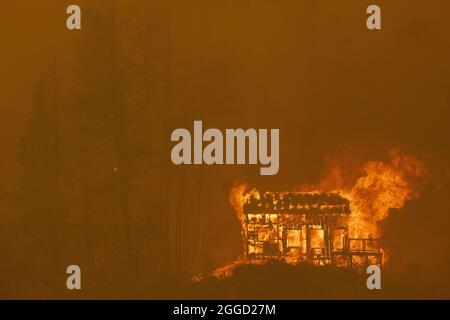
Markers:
297,203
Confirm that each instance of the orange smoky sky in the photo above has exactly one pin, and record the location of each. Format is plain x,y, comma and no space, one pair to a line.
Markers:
340,94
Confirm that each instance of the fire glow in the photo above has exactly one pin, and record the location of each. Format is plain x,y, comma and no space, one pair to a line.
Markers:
326,223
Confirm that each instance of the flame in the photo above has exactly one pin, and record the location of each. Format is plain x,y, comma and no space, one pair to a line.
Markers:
383,186
239,195
222,271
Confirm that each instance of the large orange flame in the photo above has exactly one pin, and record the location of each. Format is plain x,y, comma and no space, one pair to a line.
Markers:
381,187
384,186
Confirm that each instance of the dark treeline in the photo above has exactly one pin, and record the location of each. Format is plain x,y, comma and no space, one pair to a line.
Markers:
96,186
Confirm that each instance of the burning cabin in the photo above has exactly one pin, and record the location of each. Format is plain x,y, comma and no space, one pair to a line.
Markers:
305,227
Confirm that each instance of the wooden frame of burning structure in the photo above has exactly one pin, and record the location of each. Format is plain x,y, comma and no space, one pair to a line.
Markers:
305,227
